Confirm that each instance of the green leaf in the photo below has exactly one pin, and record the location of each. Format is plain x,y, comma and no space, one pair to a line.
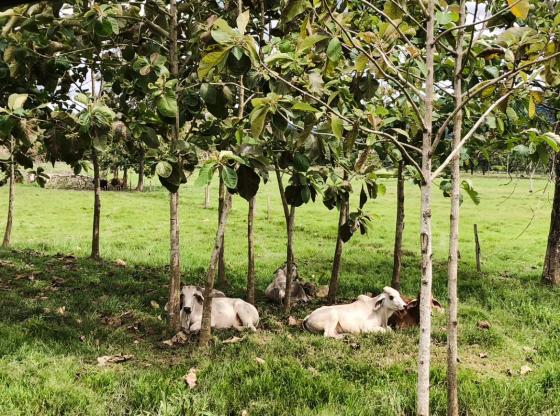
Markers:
444,18
81,98
337,127
294,8
223,33
257,118
164,169
216,59
16,101
334,50
247,182
229,177
468,187
301,162
309,41
242,21
99,142
167,105
303,106
532,108
205,173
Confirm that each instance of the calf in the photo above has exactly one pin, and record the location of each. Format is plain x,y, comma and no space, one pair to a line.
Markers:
276,290
366,314
226,312
410,316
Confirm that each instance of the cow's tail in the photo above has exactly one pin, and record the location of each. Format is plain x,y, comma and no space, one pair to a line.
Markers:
304,325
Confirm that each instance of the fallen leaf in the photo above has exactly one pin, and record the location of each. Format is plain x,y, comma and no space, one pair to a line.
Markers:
112,359
120,263
483,324
525,369
322,291
61,310
260,360
294,321
190,378
178,339
154,304
244,412
509,372
82,338
233,340
483,355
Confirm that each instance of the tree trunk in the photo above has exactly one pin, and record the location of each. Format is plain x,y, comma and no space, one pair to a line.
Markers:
125,179
251,253
333,285
423,403
95,254
453,262
207,197
399,229
205,329
222,196
11,196
551,272
140,185
173,306
289,216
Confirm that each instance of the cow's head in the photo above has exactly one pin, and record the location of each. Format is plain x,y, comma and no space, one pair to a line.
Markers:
190,299
415,304
295,274
391,299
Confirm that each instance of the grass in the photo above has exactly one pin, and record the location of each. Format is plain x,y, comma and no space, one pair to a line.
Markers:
48,355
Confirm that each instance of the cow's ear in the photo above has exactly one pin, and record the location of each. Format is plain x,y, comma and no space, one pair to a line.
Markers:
379,302
412,304
199,297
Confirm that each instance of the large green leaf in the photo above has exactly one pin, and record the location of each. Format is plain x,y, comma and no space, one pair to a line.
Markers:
301,162
167,105
258,117
205,173
294,8
247,182
164,169
212,60
337,127
229,177
334,50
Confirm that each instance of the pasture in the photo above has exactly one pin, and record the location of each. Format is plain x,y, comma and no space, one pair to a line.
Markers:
58,314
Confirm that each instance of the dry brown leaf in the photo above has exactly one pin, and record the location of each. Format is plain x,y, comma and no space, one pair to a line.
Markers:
120,263
61,310
483,324
82,338
190,378
154,304
322,291
525,369
244,412
178,339
112,359
233,340
294,321
483,355
259,360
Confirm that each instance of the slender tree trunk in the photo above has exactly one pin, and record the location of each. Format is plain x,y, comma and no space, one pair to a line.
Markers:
551,272
333,285
173,305
399,229
95,253
289,215
531,176
125,179
206,328
423,403
11,197
222,196
251,253
453,262
207,197
140,185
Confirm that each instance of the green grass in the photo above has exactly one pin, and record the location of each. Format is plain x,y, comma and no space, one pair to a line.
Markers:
48,360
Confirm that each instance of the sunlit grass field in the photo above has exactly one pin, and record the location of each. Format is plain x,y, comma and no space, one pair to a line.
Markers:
48,355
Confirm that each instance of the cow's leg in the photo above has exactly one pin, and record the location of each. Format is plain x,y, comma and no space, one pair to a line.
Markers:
245,318
195,327
330,330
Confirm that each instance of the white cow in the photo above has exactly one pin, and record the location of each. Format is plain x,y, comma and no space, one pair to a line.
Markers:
226,312
366,314
276,290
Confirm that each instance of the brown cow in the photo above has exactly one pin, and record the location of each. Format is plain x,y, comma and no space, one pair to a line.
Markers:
410,316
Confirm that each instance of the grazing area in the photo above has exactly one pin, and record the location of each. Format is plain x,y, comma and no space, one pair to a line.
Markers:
60,311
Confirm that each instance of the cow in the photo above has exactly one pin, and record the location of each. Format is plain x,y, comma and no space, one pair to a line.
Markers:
226,312
276,290
410,316
118,184
104,184
366,314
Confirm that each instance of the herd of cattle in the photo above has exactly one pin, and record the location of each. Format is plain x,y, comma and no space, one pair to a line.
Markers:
386,311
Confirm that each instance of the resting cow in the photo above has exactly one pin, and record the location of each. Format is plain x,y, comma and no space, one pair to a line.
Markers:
276,290
364,315
410,316
226,312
